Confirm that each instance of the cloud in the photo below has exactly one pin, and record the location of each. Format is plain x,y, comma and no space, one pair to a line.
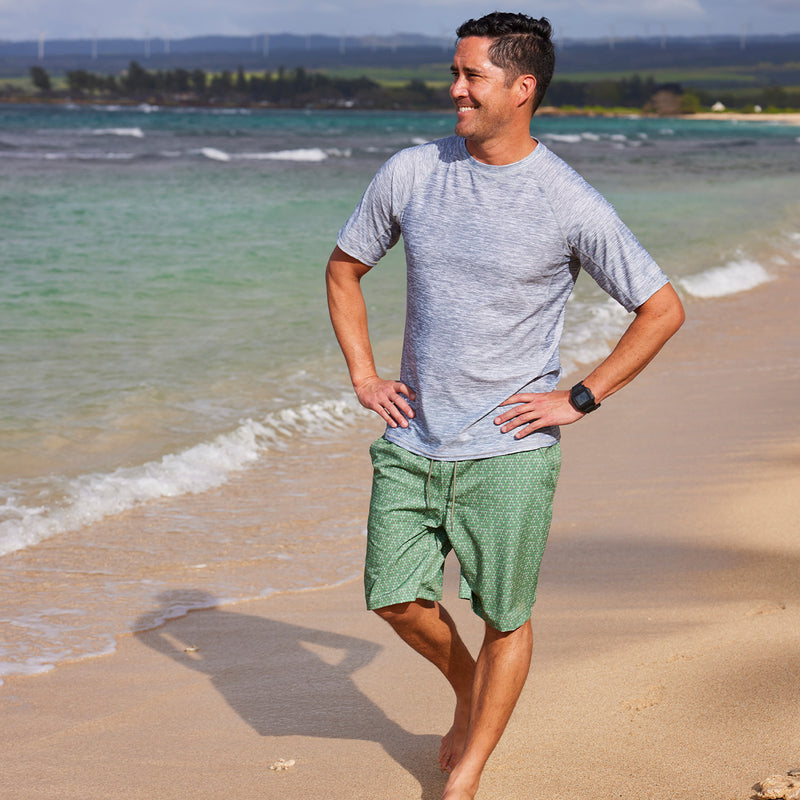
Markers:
657,9
25,19
781,6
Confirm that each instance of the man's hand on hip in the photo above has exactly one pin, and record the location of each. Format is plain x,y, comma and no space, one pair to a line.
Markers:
536,411
388,399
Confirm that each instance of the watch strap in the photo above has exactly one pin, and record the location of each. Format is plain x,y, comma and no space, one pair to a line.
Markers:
582,399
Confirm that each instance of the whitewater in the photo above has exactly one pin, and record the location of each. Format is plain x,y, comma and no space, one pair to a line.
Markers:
173,400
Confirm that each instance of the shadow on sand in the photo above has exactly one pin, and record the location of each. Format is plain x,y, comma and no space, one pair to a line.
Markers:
288,680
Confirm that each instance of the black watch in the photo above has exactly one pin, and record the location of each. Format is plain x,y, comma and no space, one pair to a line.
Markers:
582,398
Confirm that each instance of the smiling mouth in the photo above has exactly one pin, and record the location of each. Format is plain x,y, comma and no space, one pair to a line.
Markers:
459,109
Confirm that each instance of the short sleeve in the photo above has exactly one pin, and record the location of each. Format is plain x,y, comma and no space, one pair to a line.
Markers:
614,257
601,243
373,228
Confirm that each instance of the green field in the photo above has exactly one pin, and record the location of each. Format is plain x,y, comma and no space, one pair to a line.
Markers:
743,86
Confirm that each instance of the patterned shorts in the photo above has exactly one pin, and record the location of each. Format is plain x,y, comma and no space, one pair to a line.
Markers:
494,513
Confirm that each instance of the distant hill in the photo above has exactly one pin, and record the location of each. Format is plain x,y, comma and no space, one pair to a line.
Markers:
259,52
773,60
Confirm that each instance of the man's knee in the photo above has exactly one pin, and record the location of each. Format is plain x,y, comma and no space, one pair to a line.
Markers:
522,635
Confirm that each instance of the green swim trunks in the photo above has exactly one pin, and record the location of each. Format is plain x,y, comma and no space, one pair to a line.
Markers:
494,513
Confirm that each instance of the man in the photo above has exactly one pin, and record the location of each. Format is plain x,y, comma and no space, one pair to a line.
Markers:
496,228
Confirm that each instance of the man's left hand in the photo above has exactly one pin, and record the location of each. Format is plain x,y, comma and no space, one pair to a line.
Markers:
536,411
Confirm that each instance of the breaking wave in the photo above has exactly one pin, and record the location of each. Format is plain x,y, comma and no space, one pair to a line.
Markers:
90,498
736,276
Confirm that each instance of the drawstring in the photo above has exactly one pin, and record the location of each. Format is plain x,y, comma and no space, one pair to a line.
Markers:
453,495
453,499
428,484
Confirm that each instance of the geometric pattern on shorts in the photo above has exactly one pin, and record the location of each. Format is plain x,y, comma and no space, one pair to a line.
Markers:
494,513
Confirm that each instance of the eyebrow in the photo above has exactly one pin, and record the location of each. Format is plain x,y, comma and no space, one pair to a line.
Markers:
471,70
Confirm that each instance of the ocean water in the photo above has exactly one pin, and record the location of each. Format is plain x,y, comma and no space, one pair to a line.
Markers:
176,424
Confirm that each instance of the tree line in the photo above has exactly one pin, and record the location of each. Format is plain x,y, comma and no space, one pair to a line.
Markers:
285,88
667,98
299,87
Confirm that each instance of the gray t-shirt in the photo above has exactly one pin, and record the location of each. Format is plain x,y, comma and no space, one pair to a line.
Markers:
492,255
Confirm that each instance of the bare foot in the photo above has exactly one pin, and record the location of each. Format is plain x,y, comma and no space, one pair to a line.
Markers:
460,787
453,741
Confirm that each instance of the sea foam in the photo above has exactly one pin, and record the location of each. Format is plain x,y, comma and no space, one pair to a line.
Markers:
214,154
311,154
90,498
736,276
308,155
136,133
590,331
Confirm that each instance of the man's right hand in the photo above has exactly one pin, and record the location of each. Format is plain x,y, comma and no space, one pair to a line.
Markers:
388,399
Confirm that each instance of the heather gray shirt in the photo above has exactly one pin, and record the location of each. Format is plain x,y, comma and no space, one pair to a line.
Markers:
492,254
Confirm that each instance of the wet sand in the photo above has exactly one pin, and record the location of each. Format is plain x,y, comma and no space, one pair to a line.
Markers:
665,661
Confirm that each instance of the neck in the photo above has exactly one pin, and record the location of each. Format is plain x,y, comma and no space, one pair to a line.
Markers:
504,151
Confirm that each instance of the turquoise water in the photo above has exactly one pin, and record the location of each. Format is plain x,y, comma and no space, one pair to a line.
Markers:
162,315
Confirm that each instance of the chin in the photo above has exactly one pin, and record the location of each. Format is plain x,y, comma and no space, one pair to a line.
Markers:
462,130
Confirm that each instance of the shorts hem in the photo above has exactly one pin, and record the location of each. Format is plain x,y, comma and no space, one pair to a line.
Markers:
503,625
373,604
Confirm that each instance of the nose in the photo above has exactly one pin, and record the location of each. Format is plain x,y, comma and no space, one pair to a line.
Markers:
458,88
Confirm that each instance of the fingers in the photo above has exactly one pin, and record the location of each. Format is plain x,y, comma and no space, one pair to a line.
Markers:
394,415
536,411
393,406
519,416
388,399
518,398
524,409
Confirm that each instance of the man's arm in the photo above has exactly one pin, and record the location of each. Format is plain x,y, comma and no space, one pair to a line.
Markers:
656,321
389,399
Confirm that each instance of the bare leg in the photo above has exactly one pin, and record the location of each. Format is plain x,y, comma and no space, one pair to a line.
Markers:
500,674
430,630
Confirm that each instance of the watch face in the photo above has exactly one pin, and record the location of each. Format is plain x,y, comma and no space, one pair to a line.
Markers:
583,397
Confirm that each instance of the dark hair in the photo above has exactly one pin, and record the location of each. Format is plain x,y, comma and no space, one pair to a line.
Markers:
522,46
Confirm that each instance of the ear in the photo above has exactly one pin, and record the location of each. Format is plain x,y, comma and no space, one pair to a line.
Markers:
526,88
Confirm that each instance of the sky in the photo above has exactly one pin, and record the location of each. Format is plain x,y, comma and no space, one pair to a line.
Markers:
178,19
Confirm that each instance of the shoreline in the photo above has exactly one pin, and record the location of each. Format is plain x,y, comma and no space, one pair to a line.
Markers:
664,628
783,117
786,117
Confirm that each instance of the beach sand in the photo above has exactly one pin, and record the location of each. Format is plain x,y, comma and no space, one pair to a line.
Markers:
666,657
783,117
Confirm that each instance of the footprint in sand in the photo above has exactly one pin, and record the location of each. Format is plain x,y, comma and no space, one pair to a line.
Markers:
652,697
766,608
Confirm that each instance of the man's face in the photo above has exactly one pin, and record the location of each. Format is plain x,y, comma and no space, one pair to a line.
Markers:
483,102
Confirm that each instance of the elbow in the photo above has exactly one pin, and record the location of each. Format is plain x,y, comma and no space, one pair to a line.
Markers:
681,318
330,267
343,268
665,311
677,314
